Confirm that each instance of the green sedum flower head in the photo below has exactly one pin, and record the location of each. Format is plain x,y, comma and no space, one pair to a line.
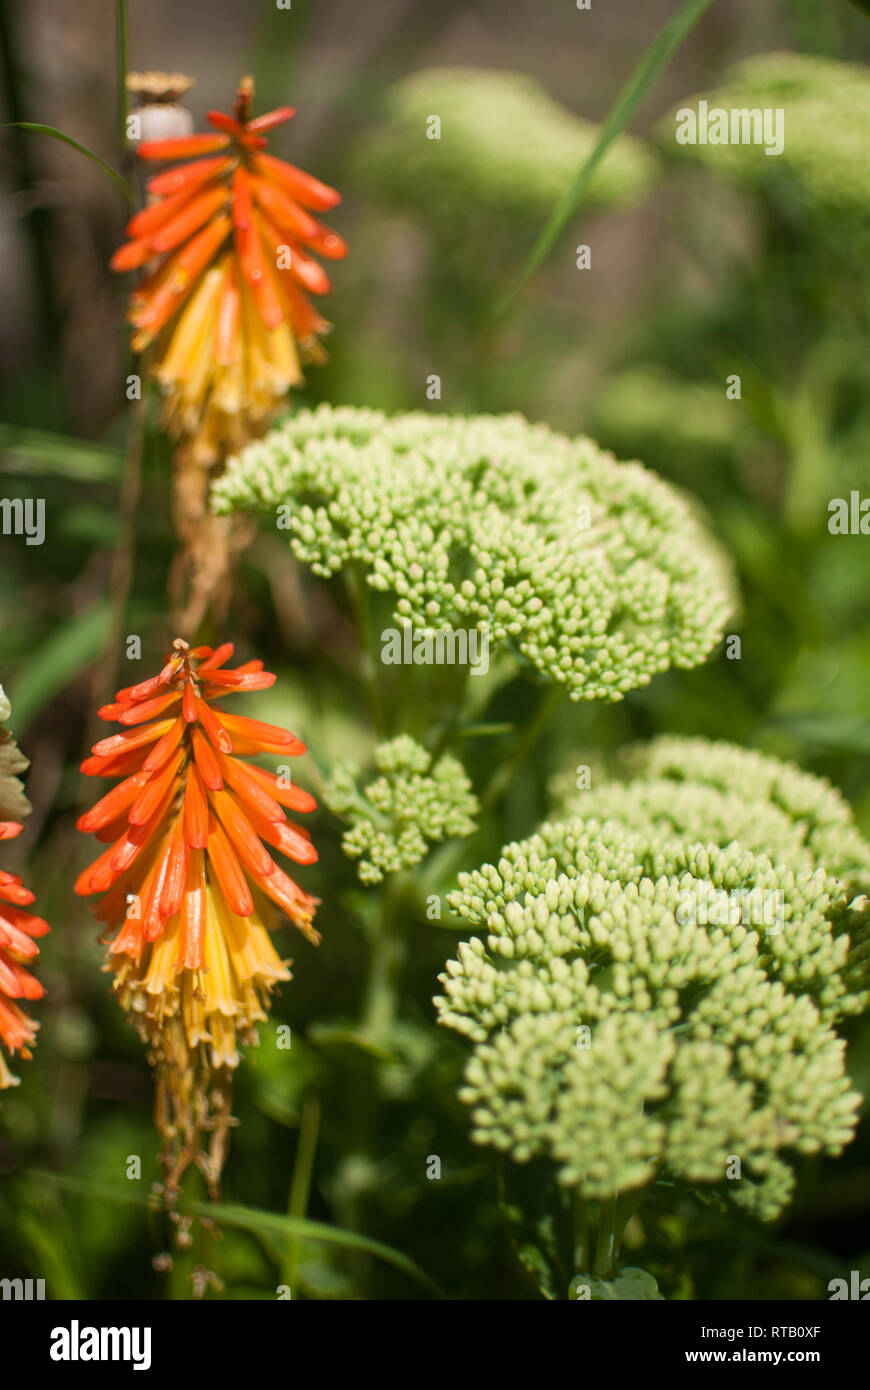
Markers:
408,808
826,106
676,787
637,1016
596,573
504,150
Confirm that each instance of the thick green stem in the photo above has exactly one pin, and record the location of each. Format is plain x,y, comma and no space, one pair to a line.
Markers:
523,747
581,1233
605,1249
358,591
385,962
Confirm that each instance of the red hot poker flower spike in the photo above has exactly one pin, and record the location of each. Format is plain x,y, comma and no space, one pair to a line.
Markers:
226,241
18,949
190,886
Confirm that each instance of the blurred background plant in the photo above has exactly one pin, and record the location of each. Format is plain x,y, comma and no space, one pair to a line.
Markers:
699,270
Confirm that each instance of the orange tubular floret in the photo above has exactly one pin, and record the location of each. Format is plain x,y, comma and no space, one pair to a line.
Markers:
217,658
119,744
215,731
282,210
308,191
165,748
270,119
191,930
144,710
187,176
156,307
293,797
189,220
228,870
195,810
221,121
242,834
238,776
159,785
131,256
288,838
176,872
270,737
206,762
186,147
151,218
113,803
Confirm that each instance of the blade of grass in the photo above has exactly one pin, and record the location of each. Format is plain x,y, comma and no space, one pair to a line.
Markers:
122,66
641,81
275,1223
37,452
250,1219
120,183
74,644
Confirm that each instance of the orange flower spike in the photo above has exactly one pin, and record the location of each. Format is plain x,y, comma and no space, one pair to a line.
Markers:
189,883
203,301
18,933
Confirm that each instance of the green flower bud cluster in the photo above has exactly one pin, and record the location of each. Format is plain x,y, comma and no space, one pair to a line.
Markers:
504,149
716,792
826,107
409,807
630,1040
595,572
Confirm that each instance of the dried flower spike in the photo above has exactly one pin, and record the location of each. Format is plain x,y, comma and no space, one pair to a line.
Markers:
227,242
190,888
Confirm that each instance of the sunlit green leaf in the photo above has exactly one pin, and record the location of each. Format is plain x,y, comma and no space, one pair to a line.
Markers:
641,82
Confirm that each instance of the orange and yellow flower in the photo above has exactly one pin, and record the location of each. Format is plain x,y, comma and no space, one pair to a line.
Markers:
227,242
190,887
17,947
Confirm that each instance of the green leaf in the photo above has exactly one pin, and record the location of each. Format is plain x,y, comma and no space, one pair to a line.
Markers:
72,646
630,1284
339,1035
642,80
120,183
38,452
264,1223
538,1215
843,732
484,730
300,1227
